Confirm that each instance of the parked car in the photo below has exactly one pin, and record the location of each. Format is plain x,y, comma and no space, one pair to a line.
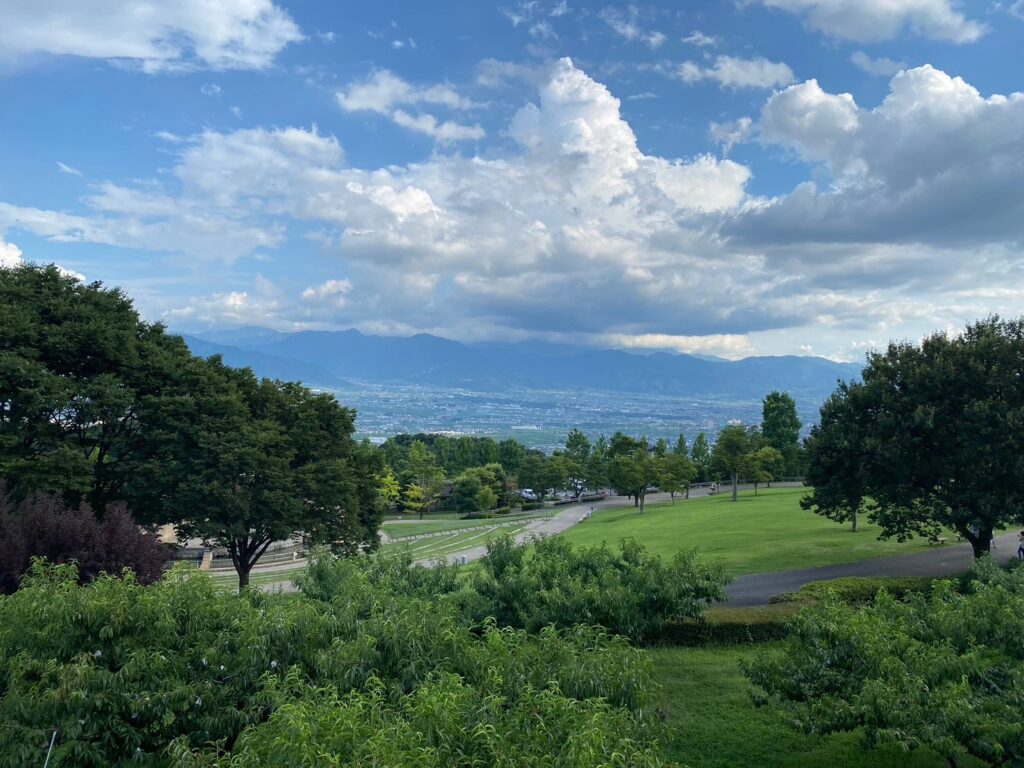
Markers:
527,494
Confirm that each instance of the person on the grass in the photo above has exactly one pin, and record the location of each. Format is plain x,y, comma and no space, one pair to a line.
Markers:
1020,545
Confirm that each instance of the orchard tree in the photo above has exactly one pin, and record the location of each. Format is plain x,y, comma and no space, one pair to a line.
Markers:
836,464
943,671
700,455
730,453
941,431
780,427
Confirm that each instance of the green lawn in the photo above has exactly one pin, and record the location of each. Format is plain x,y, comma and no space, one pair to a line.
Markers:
441,545
715,724
769,532
418,527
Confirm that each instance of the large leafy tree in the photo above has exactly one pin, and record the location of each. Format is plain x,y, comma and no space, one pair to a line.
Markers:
631,473
836,465
81,377
243,463
729,457
940,426
780,427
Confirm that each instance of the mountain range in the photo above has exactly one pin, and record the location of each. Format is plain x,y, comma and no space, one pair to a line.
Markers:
346,359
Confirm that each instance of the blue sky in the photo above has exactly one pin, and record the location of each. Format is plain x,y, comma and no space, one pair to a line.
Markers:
759,176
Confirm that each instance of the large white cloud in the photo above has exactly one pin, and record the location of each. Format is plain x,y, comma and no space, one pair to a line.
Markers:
576,209
157,34
874,20
10,254
936,162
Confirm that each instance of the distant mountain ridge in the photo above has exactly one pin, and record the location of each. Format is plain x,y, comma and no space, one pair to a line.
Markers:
337,358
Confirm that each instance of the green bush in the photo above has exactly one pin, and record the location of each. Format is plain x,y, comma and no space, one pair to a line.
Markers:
444,724
732,626
528,505
503,510
628,592
943,670
857,590
184,673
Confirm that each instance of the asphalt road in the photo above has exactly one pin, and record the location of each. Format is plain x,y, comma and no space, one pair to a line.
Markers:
940,560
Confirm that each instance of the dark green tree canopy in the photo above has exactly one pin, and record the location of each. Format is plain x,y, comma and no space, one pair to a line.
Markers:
780,428
940,432
81,376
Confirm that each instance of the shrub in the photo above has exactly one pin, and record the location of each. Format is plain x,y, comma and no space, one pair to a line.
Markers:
628,592
503,510
42,526
528,505
183,672
944,670
857,590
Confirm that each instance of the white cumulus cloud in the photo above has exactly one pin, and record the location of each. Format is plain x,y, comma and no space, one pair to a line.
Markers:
873,20
157,35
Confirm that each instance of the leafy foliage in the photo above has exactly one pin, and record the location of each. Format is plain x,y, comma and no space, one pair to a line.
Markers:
181,672
43,526
944,670
628,591
939,436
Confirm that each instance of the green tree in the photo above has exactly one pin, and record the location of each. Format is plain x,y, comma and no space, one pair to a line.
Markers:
389,489
465,490
422,470
680,446
243,463
730,452
576,457
531,473
780,427
81,377
835,461
660,448
486,499
760,465
941,427
632,473
943,671
700,455
675,472
412,498
511,454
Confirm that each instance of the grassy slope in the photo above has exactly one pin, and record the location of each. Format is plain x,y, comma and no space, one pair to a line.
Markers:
716,725
769,532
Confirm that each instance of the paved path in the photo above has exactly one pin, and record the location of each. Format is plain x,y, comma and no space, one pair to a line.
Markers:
940,560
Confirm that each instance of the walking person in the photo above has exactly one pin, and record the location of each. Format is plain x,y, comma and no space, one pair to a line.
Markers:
1020,545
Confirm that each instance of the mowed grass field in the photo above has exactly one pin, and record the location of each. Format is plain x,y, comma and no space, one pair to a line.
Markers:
769,532
715,724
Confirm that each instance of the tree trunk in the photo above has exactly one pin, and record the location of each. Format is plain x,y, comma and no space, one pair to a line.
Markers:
854,521
982,545
735,483
243,575
636,500
672,494
687,491
755,487
643,498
